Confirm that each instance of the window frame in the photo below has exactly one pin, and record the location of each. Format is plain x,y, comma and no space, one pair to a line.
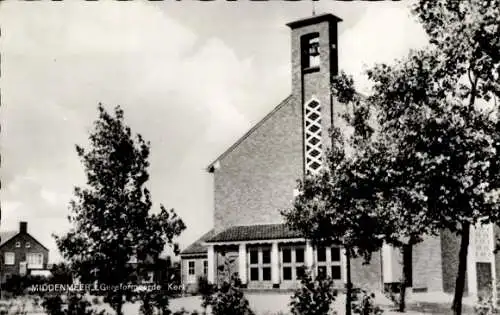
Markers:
328,264
10,254
260,265
27,245
34,260
189,267
293,264
205,267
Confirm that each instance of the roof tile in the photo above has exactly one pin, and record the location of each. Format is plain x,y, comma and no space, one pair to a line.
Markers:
254,233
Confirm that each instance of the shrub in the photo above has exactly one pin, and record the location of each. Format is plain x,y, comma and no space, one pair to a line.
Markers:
204,287
230,300
313,297
152,301
364,304
17,285
75,304
96,300
227,299
485,306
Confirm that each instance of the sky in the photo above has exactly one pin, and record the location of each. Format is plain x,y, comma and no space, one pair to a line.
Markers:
191,76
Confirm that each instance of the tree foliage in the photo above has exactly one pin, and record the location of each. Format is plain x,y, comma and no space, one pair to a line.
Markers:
432,162
110,215
436,126
313,297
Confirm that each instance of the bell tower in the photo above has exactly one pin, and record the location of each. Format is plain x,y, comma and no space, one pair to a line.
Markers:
314,64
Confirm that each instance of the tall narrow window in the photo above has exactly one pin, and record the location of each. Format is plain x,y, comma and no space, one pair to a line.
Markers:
313,140
191,268
292,262
260,263
310,51
205,267
329,262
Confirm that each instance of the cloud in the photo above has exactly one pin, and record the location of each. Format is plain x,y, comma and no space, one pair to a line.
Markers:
59,61
384,33
190,94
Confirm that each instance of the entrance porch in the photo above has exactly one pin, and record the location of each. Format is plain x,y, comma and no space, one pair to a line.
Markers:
272,262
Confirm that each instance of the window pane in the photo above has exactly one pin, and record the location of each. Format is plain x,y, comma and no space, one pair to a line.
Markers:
287,273
266,274
191,268
254,274
336,274
300,271
321,254
287,255
299,255
9,258
322,272
254,257
335,254
266,256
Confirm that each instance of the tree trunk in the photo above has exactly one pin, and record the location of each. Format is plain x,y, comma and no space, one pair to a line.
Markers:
406,252
348,295
118,304
462,267
402,292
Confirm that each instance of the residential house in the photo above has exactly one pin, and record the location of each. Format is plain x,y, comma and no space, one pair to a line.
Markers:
21,253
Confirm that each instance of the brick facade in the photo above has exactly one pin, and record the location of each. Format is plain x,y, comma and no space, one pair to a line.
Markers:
427,265
27,245
257,178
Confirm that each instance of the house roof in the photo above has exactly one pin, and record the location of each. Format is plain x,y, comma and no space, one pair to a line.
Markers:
6,236
286,101
197,247
254,233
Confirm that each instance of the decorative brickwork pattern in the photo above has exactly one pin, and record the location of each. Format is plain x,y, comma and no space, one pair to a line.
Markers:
482,243
313,141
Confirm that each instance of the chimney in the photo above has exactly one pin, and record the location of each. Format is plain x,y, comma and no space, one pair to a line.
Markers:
23,227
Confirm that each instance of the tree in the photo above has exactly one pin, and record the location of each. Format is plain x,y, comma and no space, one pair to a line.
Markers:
441,146
467,36
336,206
110,215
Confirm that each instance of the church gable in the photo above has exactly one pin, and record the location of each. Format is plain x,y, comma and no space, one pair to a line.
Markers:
255,178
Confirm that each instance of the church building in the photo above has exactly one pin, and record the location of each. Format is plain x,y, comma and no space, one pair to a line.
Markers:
256,177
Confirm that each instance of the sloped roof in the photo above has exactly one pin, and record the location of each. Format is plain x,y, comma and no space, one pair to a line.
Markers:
197,247
6,236
249,132
254,233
